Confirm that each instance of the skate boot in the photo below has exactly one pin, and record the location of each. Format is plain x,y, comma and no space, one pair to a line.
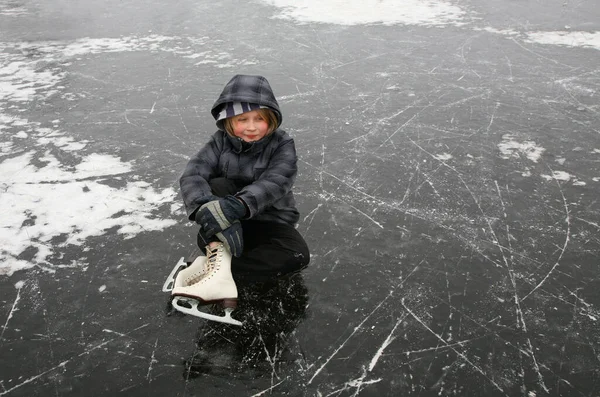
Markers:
211,283
191,274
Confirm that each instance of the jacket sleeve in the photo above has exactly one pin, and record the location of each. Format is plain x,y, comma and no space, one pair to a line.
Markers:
275,182
201,168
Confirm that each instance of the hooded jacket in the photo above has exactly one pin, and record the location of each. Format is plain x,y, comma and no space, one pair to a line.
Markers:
266,168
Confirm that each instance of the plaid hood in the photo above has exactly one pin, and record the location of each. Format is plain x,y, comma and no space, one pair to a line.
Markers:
245,88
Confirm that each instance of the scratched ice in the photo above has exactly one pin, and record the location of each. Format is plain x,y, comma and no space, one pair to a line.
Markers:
449,174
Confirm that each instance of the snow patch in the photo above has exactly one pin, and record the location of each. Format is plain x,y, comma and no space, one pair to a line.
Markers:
6,147
20,81
566,38
51,207
571,85
504,32
443,156
54,193
559,176
104,45
361,12
564,177
510,147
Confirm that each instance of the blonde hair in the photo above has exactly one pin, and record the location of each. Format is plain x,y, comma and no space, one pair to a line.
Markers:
266,114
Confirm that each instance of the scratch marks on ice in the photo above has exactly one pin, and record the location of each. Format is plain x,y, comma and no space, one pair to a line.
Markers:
64,363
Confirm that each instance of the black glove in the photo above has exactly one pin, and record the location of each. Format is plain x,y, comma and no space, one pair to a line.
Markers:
206,199
232,238
203,239
216,216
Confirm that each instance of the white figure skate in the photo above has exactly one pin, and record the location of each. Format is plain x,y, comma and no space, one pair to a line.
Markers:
206,281
184,274
179,268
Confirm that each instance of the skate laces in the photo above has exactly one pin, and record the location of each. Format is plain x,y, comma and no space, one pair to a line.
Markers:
198,275
214,256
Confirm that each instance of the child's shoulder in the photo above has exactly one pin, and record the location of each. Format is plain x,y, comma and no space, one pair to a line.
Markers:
219,138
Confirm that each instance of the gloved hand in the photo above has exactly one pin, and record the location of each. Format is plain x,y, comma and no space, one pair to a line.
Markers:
203,239
232,238
216,216
207,199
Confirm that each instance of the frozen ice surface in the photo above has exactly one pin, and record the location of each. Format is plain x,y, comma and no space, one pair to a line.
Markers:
449,179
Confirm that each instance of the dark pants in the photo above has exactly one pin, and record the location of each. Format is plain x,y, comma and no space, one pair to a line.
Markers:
270,248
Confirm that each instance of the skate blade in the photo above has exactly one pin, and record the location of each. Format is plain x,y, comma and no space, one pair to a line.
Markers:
194,311
170,282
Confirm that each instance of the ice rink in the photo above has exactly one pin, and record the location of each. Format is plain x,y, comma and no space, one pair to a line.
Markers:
449,190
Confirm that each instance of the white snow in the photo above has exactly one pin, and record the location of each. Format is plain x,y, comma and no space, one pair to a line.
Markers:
6,147
41,204
437,13
21,82
559,176
510,147
104,45
564,176
566,38
49,202
504,32
358,12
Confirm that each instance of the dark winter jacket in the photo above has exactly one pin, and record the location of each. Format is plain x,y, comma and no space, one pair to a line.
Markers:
267,168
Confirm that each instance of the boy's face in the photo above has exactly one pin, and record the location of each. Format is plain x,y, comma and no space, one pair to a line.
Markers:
250,126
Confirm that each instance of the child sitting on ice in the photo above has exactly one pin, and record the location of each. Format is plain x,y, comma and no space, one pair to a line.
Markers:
238,188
